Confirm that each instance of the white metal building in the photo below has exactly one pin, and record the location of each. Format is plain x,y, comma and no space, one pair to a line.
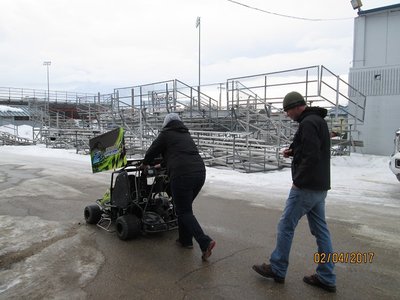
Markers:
376,74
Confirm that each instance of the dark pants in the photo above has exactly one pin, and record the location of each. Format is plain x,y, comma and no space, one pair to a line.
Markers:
184,190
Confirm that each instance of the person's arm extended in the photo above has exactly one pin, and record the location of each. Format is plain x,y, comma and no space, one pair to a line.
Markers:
155,149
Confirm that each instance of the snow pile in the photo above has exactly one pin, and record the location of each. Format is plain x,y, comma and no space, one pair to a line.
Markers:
23,131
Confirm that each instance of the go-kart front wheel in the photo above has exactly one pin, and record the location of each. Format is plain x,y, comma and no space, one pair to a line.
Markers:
92,214
128,227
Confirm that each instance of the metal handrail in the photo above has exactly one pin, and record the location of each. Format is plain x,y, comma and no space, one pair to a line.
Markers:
26,94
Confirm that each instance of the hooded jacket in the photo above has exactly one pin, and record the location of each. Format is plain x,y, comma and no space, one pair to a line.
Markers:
311,151
178,150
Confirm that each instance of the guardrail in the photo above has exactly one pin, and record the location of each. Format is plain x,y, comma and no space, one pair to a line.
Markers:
11,94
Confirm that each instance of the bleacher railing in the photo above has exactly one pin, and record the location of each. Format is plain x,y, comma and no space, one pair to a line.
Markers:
11,94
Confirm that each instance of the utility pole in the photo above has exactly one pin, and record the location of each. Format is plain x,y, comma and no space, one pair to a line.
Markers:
198,90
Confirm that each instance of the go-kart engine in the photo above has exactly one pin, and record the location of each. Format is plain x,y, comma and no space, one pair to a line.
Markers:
161,205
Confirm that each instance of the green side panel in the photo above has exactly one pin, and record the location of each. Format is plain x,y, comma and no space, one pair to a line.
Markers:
107,151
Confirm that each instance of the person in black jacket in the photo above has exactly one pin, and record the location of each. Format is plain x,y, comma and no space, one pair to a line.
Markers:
187,174
310,150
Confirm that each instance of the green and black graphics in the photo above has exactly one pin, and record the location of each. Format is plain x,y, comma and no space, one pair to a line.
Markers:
107,151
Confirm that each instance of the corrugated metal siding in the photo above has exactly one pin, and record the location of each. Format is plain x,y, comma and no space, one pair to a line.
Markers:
366,82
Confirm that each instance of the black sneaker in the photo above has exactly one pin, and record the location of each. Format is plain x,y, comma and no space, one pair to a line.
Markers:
187,246
314,280
266,271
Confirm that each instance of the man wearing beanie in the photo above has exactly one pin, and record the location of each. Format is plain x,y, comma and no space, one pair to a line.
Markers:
187,175
310,150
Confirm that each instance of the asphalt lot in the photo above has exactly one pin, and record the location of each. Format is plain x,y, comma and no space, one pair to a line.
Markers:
47,251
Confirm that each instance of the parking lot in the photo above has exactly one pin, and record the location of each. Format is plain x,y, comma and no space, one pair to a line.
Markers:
47,251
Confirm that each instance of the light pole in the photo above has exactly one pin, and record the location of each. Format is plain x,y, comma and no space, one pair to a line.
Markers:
198,91
220,94
47,64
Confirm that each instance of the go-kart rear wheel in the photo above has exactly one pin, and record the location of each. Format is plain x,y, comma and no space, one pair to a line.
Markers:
92,214
128,227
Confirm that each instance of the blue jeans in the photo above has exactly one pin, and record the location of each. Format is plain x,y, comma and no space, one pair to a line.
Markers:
299,203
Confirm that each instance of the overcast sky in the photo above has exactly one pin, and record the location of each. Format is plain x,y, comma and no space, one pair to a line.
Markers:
98,45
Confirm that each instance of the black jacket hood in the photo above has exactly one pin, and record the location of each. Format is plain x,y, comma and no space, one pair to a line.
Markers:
314,110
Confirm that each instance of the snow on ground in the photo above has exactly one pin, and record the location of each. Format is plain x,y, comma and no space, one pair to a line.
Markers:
23,131
356,179
352,176
23,274
42,273
362,185
364,192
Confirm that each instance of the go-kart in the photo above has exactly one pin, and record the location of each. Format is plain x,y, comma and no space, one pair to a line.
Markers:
138,201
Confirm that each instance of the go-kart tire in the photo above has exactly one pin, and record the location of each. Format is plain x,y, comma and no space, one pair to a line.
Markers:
92,214
128,227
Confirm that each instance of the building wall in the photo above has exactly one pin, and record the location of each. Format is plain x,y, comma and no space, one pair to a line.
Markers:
376,74
377,39
383,121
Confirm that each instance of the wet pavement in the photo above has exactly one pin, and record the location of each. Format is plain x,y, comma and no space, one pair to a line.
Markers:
47,251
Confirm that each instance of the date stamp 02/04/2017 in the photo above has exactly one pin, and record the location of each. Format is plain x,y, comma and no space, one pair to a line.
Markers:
344,257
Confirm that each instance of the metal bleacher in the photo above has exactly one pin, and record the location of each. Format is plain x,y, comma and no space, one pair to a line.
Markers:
238,124
12,139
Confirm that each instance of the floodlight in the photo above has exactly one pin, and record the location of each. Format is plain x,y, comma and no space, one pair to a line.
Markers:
356,4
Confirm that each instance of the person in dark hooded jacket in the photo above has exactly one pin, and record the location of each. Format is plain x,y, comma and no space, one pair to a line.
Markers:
187,174
310,183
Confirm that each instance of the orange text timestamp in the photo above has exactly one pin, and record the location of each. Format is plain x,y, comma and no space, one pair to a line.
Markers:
344,257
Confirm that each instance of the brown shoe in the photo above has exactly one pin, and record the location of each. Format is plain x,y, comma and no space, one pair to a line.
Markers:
314,280
266,271
207,253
